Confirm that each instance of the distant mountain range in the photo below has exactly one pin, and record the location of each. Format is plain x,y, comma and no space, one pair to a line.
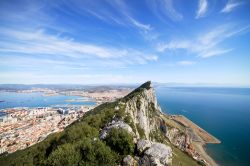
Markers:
62,86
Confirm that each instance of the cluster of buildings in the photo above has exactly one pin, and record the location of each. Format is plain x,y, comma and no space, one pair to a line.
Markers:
23,127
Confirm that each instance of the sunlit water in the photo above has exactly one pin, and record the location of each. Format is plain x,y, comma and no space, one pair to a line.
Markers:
223,112
37,99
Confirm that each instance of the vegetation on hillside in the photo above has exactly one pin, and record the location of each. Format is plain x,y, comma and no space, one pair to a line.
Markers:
78,144
120,141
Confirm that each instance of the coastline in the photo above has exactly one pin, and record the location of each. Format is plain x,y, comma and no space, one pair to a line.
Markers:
202,151
199,136
203,134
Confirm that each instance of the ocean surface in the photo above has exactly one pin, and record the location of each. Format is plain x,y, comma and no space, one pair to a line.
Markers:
223,112
37,99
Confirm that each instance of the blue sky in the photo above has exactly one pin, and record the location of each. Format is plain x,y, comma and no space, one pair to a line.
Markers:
125,41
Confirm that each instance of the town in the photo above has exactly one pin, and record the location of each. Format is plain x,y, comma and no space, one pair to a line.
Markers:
23,127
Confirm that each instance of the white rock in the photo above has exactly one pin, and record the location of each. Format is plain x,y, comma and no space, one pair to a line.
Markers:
158,154
143,144
115,124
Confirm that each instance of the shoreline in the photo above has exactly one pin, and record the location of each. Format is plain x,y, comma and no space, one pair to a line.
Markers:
205,136
202,137
202,151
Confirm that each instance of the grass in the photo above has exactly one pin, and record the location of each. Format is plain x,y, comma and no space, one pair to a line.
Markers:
182,159
172,123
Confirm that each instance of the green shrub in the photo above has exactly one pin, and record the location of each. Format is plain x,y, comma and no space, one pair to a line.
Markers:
66,155
96,153
120,141
79,131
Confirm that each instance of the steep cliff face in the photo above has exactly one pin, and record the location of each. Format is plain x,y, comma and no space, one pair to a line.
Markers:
141,105
147,121
140,112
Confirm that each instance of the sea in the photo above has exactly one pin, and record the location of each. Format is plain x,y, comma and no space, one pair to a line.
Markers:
223,112
38,99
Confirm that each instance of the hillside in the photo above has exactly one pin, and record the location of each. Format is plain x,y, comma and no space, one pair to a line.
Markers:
129,131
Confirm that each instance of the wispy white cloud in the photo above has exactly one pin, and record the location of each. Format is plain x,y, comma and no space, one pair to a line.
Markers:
180,44
171,12
116,11
43,42
205,45
202,8
215,52
164,8
230,6
144,27
152,58
36,43
186,63
126,15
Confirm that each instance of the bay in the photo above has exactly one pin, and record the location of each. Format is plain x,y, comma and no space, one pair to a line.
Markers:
37,99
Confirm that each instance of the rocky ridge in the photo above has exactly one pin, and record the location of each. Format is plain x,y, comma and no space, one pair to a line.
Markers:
152,130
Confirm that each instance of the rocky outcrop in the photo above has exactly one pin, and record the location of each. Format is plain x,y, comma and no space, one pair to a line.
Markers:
157,154
115,124
142,145
179,139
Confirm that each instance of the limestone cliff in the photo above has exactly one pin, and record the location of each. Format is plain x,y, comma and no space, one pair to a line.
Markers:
147,121
141,105
147,118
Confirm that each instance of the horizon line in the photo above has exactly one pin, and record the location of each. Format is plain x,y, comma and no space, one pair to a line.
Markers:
168,84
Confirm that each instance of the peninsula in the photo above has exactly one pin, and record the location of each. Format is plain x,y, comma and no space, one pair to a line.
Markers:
131,130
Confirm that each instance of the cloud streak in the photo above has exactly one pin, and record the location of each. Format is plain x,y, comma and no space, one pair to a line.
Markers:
164,9
186,63
206,45
141,26
230,6
116,11
202,9
37,43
